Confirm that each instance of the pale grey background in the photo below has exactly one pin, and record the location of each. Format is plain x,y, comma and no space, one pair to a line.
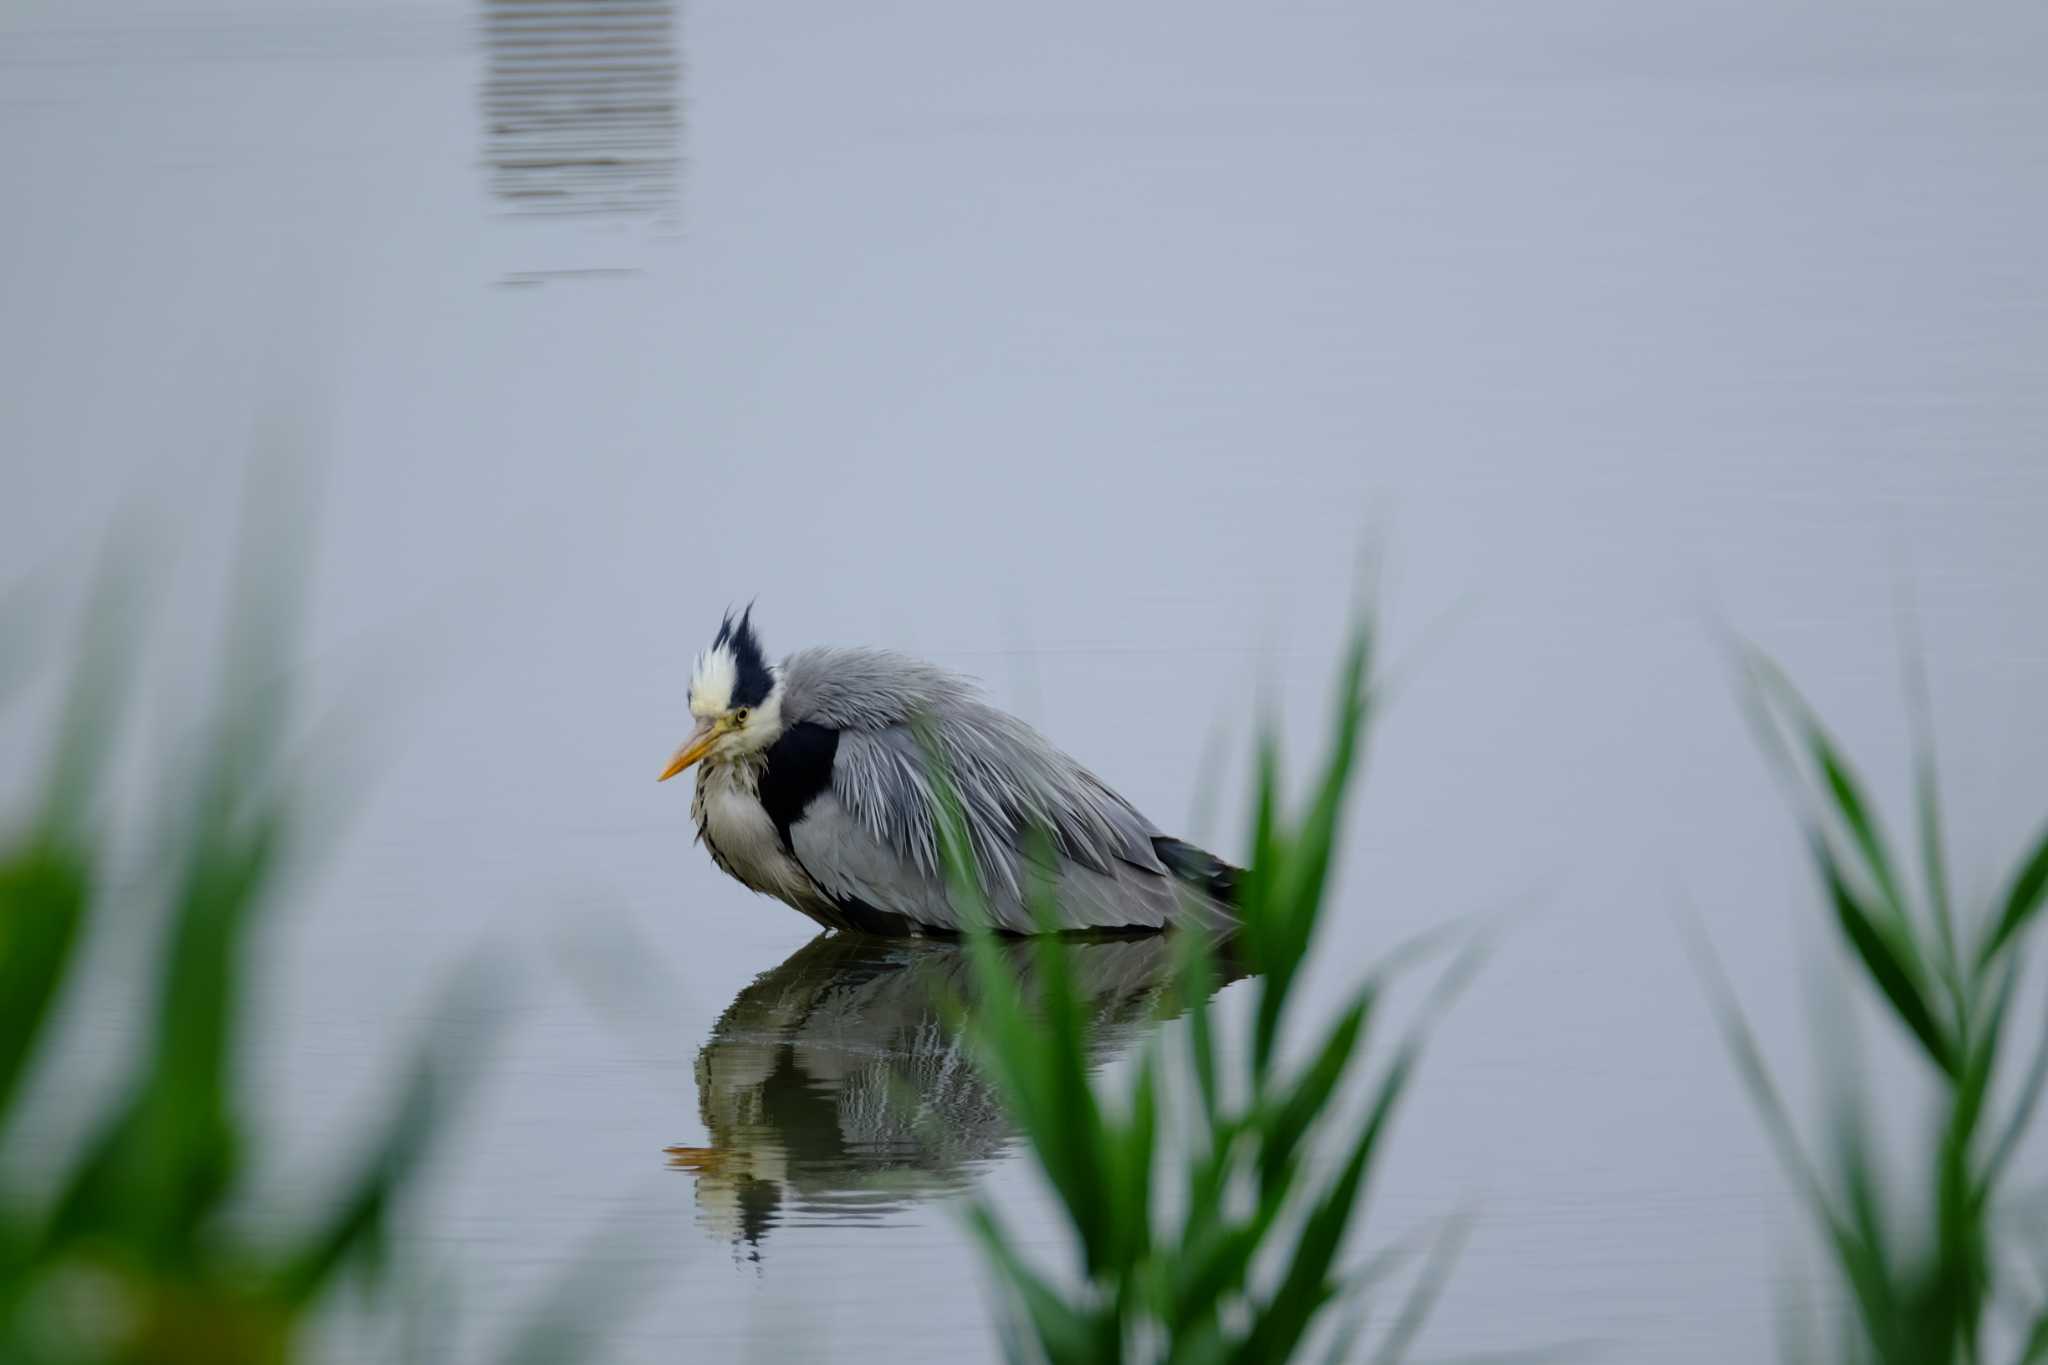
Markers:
1080,346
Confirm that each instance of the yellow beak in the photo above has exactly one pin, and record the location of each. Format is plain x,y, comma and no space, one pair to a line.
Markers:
694,748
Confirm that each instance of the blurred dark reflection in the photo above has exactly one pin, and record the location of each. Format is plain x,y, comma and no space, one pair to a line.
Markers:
580,103
835,1089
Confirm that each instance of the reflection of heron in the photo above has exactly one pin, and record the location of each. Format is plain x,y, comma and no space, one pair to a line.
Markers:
836,1087
816,790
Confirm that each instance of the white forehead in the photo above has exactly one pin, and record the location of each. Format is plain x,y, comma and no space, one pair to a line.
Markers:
712,681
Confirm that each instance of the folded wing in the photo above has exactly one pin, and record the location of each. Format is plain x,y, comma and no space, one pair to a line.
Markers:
872,840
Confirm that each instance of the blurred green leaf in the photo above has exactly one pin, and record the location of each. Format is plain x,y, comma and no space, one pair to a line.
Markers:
1194,984
145,1217
357,1229
1855,811
1921,1274
1290,1120
2020,903
1756,1077
1927,799
2036,1347
44,892
100,678
1305,1286
1428,1287
1892,965
1248,1260
1064,1333
2024,1106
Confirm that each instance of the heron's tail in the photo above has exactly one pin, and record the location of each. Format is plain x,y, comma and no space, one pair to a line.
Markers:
1202,870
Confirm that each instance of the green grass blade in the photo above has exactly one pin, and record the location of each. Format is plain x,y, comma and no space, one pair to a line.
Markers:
1927,796
1039,1063
1922,1274
1305,1101
2020,903
1075,1129
93,701
1214,1281
581,1302
1862,1245
1891,964
44,894
357,1229
2024,1106
1296,873
1856,812
169,1155
1195,978
2035,1349
1064,1333
1428,1288
1305,1287
1973,1087
1757,1079
1131,1181
1264,931
1221,1258
1784,705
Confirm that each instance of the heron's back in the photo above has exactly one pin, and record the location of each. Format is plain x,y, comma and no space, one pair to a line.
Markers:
900,720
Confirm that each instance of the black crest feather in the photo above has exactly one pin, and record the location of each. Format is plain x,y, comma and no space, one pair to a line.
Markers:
754,680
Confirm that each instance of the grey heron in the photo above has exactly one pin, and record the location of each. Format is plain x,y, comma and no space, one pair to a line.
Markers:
814,787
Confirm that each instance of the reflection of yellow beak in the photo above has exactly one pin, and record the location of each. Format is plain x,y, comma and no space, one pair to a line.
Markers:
694,748
701,1160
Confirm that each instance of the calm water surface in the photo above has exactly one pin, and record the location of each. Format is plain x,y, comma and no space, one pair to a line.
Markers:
1078,349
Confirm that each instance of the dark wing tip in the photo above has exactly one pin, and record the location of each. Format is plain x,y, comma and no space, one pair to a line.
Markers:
1199,868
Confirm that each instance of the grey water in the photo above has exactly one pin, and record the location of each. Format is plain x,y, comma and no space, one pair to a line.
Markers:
1081,348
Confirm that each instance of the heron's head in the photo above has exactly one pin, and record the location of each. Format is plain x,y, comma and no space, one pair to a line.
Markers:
735,698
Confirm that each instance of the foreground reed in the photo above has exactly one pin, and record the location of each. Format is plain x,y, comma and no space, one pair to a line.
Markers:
132,1244
128,1250
1208,1197
1928,1260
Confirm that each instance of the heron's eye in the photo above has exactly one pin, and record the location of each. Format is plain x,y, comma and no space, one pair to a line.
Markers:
739,717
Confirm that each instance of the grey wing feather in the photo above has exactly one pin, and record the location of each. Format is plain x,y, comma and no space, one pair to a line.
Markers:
845,858
850,863
1012,786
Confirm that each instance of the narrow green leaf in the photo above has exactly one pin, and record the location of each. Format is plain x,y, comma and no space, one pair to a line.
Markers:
1134,1181
1856,812
582,1300
1890,964
2036,1348
1428,1287
2021,901
1294,872
1219,1263
357,1228
2024,1106
1756,1077
1307,1099
43,901
93,699
1305,1286
169,1154
1973,1087
1264,930
1927,798
1064,1334
1195,979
